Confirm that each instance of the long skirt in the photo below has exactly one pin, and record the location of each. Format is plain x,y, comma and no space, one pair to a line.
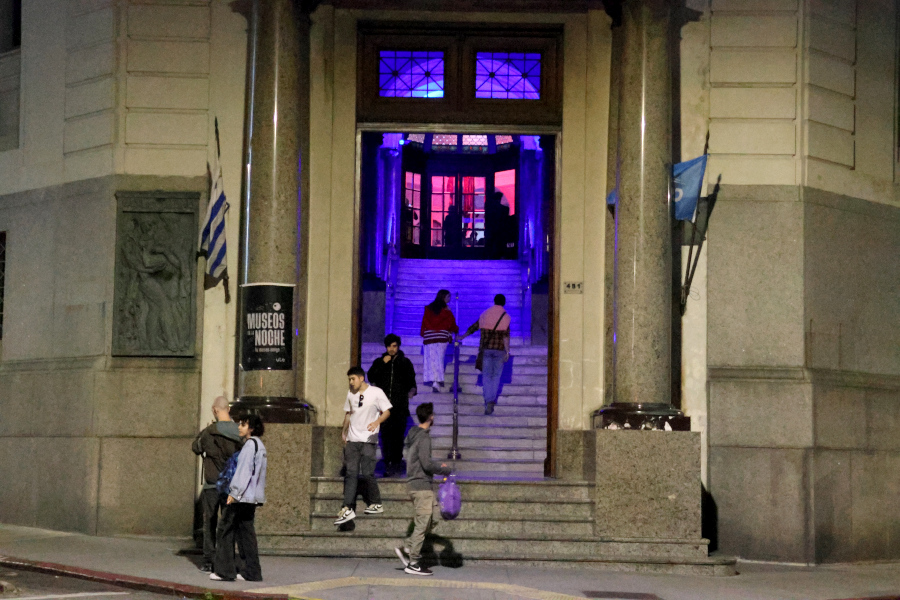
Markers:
434,362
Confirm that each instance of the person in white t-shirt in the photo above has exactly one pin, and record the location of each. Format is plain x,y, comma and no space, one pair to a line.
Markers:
366,408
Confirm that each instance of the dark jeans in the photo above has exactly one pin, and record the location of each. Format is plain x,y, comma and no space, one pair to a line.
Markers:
211,501
392,433
237,526
359,461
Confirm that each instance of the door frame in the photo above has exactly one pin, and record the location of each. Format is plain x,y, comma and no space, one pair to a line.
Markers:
554,228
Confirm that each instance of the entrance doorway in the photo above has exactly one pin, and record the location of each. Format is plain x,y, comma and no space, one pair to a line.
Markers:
459,196
472,214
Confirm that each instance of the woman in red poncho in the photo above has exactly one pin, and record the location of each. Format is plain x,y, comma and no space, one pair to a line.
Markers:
438,327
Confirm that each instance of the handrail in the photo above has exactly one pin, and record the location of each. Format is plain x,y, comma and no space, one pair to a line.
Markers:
454,447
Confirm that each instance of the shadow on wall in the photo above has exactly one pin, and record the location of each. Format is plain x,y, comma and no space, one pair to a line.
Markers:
709,519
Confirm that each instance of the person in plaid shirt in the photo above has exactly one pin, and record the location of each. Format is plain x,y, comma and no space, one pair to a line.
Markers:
494,346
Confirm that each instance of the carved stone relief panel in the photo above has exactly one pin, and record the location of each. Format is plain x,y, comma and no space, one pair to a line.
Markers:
155,308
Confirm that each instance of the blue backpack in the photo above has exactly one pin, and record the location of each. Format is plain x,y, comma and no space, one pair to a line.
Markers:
227,474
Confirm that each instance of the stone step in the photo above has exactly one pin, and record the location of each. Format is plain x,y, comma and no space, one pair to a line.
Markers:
445,399
545,490
497,465
481,428
440,445
397,527
418,298
481,544
498,477
398,506
535,364
500,410
412,346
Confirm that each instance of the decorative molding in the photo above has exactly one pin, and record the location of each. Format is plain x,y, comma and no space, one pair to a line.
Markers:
830,377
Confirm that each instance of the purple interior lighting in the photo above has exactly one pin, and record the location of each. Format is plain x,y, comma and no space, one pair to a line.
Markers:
411,74
508,75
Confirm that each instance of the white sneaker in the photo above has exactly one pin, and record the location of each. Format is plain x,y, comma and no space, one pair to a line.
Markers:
240,577
345,515
403,555
215,577
374,509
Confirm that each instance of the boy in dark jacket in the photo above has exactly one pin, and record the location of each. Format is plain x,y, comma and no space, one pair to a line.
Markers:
396,376
420,470
216,443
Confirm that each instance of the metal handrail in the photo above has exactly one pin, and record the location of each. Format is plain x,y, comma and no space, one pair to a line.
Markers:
454,447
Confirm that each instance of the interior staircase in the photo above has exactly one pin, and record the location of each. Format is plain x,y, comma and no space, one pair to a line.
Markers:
511,443
473,285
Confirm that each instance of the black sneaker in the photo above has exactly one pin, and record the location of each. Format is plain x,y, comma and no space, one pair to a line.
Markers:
417,569
206,567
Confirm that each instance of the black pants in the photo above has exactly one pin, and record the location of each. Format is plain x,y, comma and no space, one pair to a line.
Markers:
392,433
237,526
211,501
359,461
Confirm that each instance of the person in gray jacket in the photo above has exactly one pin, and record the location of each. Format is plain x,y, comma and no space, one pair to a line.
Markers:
420,471
215,443
246,492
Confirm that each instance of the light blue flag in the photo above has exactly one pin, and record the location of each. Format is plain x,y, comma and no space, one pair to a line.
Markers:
688,181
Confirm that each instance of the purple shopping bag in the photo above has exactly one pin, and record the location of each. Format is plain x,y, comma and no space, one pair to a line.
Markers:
449,499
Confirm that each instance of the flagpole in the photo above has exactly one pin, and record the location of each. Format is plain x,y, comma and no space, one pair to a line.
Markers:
219,163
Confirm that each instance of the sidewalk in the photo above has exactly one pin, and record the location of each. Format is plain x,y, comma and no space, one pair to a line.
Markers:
144,559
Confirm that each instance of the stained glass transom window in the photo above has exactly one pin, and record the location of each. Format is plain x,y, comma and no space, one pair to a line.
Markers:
411,74
508,75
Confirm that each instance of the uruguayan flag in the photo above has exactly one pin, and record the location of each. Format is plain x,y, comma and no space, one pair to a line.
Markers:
212,238
688,181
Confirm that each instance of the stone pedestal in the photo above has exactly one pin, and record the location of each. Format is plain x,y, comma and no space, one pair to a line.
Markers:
289,451
648,484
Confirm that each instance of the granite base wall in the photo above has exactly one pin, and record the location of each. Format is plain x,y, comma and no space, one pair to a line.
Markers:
92,443
804,375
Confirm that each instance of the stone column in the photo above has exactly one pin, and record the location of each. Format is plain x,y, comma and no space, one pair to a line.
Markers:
269,248
642,303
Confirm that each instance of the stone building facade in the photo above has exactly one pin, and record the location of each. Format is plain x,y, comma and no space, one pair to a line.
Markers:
790,345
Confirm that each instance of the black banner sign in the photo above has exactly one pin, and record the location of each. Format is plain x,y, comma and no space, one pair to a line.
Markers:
266,321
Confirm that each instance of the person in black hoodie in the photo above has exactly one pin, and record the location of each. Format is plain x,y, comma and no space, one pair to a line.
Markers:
395,374
215,443
420,473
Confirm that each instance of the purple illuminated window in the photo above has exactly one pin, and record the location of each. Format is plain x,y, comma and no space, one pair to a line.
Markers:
411,74
508,75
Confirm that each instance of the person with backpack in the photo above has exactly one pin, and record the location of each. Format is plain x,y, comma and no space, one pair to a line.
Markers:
216,444
493,349
246,491
420,470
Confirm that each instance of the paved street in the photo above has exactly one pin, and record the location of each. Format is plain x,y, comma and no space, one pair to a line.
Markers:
351,579
19,584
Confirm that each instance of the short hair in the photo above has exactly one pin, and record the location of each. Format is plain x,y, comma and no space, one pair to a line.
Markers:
255,423
390,339
220,403
356,371
424,411
500,300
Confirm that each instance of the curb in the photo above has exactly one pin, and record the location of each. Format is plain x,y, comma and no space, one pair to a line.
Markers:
136,583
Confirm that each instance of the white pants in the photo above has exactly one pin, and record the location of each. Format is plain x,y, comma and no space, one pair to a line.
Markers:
434,362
